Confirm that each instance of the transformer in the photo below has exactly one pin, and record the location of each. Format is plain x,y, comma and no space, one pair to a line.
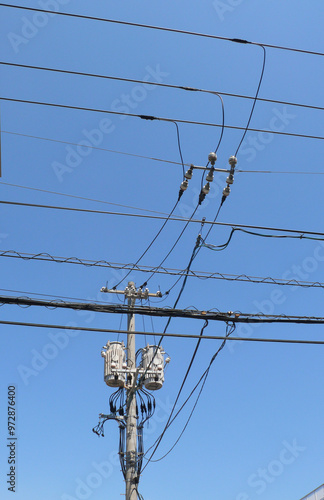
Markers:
115,364
153,365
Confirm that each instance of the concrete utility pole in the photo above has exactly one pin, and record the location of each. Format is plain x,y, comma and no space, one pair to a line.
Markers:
131,419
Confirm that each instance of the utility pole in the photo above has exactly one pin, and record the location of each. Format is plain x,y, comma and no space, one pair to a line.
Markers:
131,478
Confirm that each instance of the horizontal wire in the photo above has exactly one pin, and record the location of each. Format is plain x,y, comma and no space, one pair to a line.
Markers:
230,316
159,118
45,257
174,335
51,295
160,159
161,28
143,216
157,84
81,198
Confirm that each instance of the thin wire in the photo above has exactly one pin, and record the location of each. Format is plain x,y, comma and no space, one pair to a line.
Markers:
178,219
159,159
150,118
174,335
81,198
158,84
160,28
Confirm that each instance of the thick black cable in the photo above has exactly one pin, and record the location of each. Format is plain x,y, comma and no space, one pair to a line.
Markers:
175,218
149,246
277,236
171,335
204,377
148,117
160,28
171,249
254,102
158,84
179,394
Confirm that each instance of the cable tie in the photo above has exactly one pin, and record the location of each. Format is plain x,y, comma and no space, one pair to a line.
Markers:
239,40
147,117
190,88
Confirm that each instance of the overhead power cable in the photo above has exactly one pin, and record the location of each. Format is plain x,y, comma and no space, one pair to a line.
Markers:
171,335
277,236
161,159
163,85
203,379
160,28
254,101
167,219
159,118
173,218
81,198
45,257
230,316
178,395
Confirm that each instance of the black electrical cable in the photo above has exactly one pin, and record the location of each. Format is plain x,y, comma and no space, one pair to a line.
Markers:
229,331
278,236
255,100
171,335
160,28
179,394
149,117
165,222
158,84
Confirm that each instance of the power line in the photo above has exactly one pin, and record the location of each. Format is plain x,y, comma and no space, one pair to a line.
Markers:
45,257
81,198
174,218
163,85
232,317
171,335
254,101
160,159
151,118
160,28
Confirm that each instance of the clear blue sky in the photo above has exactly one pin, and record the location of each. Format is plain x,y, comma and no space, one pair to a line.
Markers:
257,432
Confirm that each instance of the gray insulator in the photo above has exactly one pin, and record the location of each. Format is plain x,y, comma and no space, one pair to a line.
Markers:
212,157
210,175
226,191
206,188
230,179
188,174
232,160
184,185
